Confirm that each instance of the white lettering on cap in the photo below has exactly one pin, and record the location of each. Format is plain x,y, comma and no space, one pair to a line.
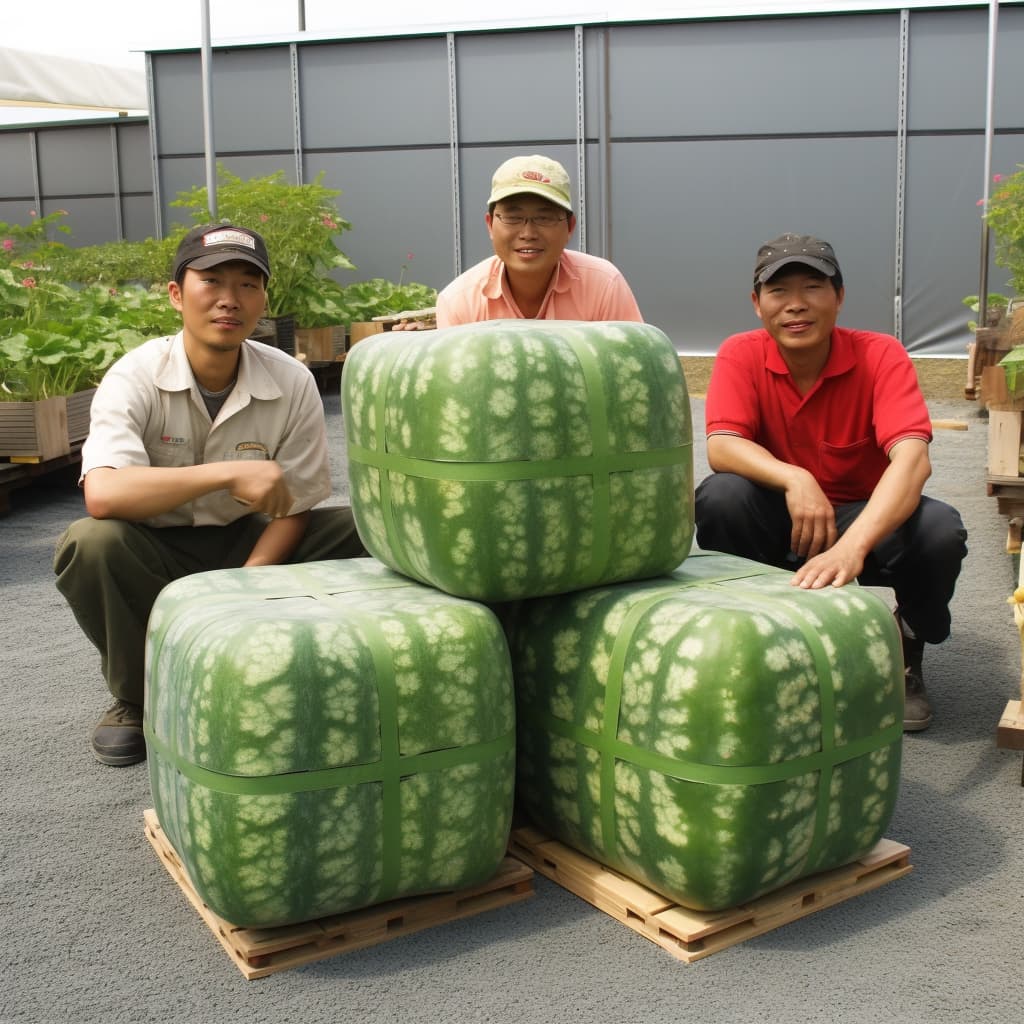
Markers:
229,237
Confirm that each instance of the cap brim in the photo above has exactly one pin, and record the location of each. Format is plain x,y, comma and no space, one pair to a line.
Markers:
823,266
215,259
534,190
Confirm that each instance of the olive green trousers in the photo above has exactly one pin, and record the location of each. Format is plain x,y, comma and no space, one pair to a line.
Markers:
111,571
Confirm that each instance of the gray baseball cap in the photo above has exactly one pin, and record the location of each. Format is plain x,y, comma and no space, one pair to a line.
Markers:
786,249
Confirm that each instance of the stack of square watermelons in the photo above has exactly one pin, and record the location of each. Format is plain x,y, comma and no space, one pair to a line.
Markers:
346,736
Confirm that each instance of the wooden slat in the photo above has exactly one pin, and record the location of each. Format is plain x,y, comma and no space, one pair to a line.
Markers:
1010,731
690,935
1004,443
257,952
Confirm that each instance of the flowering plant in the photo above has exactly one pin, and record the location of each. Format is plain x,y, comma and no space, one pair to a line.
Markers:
1004,215
56,340
299,223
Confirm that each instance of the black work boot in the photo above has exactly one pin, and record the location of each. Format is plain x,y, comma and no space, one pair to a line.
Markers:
917,712
117,738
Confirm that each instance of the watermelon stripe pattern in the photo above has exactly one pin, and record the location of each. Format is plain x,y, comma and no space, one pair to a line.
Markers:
714,736
512,459
327,736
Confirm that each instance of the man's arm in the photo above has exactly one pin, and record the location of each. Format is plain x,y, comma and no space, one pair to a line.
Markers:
891,504
135,493
279,540
814,520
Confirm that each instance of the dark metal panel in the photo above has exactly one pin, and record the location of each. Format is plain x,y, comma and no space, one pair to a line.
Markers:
252,106
76,161
398,203
689,217
16,164
517,86
91,219
369,94
943,239
134,165
948,67
138,216
792,75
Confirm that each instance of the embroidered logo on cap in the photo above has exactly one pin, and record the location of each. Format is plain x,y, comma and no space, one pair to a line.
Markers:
536,176
229,237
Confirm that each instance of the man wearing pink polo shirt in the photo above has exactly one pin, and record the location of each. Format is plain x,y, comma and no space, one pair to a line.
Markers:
532,275
818,437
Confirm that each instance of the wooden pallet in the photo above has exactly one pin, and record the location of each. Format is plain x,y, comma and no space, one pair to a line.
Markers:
692,934
261,951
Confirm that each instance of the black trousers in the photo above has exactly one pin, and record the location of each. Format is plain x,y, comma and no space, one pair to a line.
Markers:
920,560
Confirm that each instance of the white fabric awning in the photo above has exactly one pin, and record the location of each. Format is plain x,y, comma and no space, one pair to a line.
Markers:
39,80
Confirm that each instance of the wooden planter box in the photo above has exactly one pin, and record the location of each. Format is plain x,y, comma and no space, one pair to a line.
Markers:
319,344
45,429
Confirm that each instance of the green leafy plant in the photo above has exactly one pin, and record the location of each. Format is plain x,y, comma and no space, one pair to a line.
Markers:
363,300
1004,214
300,224
148,262
24,246
56,340
995,308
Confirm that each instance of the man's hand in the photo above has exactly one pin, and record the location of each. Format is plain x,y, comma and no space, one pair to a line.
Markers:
261,487
814,519
837,566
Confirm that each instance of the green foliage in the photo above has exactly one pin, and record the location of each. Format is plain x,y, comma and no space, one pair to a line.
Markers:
1005,217
116,263
25,246
995,307
56,340
299,223
364,300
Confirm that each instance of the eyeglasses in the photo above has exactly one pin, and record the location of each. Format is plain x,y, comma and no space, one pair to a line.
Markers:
541,220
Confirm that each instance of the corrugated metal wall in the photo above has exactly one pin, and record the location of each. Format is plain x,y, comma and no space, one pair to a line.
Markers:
696,141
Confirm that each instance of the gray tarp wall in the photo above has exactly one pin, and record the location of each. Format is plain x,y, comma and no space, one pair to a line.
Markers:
694,142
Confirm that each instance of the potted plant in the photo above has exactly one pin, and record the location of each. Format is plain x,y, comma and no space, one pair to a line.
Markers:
56,342
300,224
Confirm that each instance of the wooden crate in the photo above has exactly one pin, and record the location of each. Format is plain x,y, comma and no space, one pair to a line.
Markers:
690,935
319,344
46,429
257,952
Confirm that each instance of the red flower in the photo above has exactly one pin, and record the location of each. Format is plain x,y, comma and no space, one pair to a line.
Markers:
29,282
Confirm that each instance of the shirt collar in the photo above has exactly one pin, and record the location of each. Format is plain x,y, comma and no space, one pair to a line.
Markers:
175,374
561,281
841,357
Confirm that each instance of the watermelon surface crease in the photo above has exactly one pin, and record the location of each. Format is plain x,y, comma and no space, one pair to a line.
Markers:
513,459
714,735
327,736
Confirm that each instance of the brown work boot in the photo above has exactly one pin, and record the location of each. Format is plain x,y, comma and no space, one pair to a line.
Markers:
117,738
917,712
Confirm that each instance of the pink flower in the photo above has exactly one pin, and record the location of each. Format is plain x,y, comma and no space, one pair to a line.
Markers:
980,202
997,177
31,213
264,218
113,291
29,282
8,244
410,256
328,223
27,265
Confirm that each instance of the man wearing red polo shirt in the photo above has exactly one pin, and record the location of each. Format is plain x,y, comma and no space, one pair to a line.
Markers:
818,437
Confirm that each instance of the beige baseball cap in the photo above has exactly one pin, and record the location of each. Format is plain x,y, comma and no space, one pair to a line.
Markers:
537,175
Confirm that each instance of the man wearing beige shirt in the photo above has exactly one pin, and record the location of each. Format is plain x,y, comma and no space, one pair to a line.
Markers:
206,450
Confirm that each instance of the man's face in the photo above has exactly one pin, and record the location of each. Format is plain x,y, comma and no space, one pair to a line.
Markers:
530,248
798,308
219,306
